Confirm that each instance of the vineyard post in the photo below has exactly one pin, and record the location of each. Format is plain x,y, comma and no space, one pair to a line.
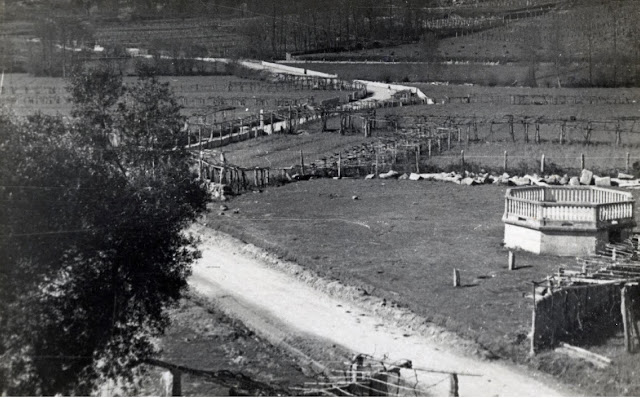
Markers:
513,136
618,133
562,131
526,131
340,165
302,162
462,158
475,128
272,129
395,152
449,140
468,133
418,158
582,161
542,164
628,162
505,161
429,146
375,150
200,161
537,133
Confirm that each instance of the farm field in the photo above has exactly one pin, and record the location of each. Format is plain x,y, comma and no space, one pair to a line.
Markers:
25,94
400,242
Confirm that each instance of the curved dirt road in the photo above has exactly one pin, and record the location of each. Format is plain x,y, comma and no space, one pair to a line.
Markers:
280,307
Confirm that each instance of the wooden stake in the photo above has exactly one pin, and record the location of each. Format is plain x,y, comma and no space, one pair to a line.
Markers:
302,162
462,157
628,163
340,165
176,391
417,158
582,161
512,261
505,162
453,385
542,163
532,350
625,318
456,277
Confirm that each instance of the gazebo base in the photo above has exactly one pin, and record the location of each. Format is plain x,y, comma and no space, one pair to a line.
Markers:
561,242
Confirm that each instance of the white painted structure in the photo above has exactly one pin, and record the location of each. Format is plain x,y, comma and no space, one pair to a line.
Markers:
566,221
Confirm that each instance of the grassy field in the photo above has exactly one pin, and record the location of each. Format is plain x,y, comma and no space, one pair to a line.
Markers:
400,241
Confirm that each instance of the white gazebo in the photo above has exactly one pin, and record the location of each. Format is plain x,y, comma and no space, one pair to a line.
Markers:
566,221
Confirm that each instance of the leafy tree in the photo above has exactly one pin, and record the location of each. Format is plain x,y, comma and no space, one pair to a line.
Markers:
91,239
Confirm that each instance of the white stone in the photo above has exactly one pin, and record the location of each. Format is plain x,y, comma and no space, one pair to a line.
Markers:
603,181
586,177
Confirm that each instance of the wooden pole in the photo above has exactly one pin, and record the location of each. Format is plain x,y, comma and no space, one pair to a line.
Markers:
625,318
532,350
340,165
453,385
582,161
429,144
542,163
537,133
456,277
302,162
449,141
628,163
417,158
462,157
505,162
512,261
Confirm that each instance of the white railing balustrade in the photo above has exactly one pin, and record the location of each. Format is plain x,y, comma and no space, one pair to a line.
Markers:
566,206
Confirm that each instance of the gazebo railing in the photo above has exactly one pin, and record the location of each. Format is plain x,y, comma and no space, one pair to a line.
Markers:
559,206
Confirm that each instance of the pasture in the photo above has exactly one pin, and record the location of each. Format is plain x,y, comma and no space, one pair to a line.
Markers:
400,241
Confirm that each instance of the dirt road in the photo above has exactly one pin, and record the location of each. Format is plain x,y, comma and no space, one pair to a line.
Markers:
283,308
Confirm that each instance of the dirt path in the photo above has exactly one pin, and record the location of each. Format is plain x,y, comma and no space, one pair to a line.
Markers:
283,308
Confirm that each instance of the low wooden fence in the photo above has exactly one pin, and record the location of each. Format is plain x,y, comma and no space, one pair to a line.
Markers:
583,312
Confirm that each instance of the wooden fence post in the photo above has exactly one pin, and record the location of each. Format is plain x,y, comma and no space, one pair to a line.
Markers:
625,318
340,165
453,385
462,158
532,350
505,162
537,133
176,391
456,277
582,161
542,163
302,162
417,158
628,163
512,261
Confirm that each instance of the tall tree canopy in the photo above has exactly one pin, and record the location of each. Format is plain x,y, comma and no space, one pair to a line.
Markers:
92,214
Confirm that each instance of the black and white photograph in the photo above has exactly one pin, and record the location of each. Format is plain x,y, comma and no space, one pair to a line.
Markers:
320,198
